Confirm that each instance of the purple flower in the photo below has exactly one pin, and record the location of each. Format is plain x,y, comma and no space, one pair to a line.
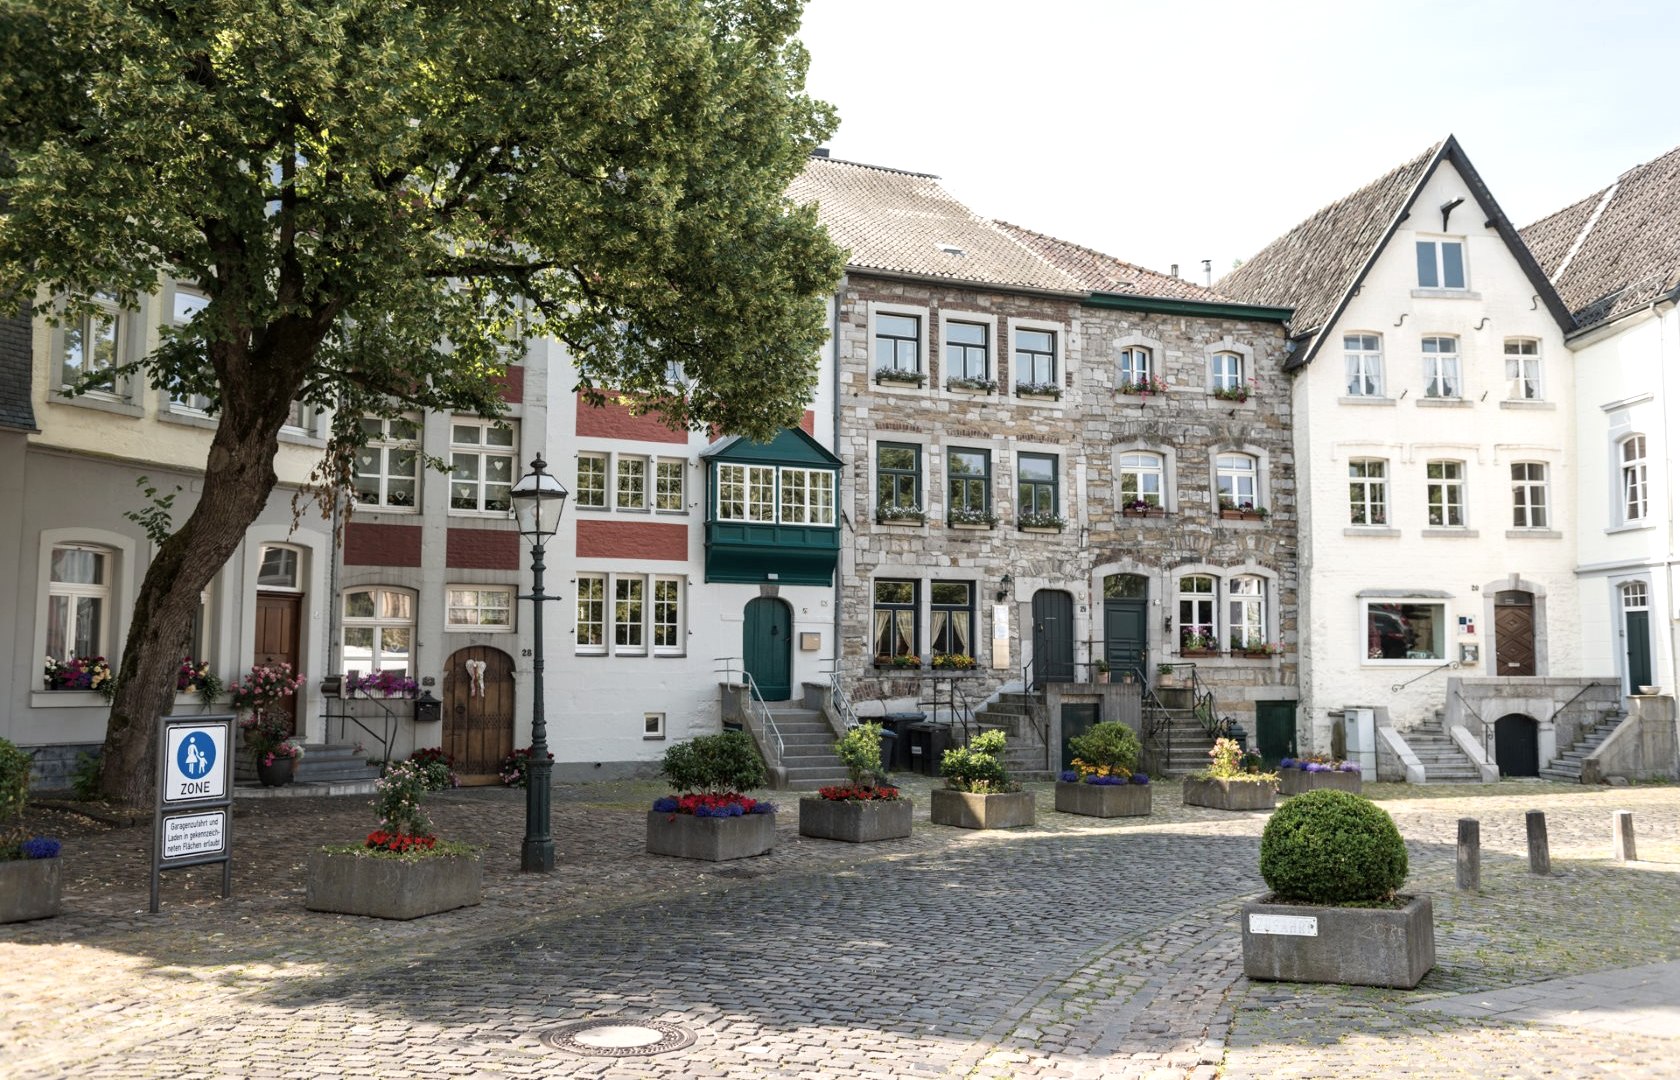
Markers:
764,808
1140,778
1313,766
1350,766
666,805
1069,777
1288,763
41,847
1105,781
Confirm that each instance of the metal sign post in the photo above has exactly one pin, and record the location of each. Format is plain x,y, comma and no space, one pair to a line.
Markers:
193,819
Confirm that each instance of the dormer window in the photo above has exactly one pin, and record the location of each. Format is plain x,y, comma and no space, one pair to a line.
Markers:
1440,264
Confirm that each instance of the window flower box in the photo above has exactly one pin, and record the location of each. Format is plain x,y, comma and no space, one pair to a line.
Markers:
900,515
909,662
960,518
1141,508
1045,391
972,386
1246,511
899,377
1152,384
1239,393
1042,523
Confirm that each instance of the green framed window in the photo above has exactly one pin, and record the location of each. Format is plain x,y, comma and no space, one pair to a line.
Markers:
1037,485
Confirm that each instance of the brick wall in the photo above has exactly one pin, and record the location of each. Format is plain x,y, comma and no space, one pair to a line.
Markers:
367,544
482,549
615,421
632,540
513,384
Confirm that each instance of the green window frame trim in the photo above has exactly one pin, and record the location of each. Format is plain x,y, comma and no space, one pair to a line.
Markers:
969,491
951,619
898,476
898,341
968,350
895,621
1035,356
1038,485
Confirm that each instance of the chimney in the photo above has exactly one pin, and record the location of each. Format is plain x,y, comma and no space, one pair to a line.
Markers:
1175,270
1207,272
821,151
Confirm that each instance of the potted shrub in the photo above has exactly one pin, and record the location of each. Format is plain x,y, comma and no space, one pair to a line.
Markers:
709,818
1101,782
402,870
1233,781
866,808
1191,643
267,732
978,792
1166,676
31,878
195,677
1313,771
1335,862
1101,667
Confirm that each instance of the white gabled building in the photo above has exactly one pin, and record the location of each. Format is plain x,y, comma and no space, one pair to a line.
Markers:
1433,415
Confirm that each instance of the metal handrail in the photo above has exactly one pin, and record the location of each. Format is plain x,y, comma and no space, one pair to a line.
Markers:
841,700
389,728
766,730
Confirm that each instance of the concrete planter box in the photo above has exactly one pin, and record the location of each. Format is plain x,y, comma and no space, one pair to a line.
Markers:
854,821
1295,781
352,884
30,889
1354,946
1103,800
1007,810
712,839
1231,794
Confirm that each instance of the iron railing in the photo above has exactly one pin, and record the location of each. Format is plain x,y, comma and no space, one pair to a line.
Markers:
385,737
755,712
841,700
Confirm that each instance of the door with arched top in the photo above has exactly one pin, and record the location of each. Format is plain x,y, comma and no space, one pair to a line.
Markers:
478,712
767,647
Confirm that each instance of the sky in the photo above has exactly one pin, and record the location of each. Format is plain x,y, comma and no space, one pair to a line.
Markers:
1173,132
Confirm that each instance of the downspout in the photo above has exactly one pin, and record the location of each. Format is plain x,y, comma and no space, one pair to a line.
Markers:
834,355
1668,477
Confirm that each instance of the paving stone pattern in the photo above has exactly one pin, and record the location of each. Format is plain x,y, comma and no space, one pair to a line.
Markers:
1077,948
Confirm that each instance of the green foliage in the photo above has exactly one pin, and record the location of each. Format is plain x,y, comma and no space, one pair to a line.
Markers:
1230,762
84,779
397,800
14,792
724,762
977,767
859,751
154,519
1332,847
1109,743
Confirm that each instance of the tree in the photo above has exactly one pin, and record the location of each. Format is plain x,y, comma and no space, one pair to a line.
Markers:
382,198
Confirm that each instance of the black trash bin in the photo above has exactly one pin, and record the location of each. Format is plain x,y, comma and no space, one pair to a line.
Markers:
895,756
927,746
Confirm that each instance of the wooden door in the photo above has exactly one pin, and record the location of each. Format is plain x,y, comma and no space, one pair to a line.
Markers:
277,642
767,647
1052,637
478,712
1513,633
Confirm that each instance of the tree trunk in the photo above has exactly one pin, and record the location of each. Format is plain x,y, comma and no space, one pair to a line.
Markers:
239,475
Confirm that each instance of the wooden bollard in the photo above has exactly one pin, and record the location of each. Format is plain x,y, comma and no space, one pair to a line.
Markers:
1539,853
1621,836
1469,854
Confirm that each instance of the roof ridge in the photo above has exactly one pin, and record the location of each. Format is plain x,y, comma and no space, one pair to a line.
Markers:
876,168
1082,247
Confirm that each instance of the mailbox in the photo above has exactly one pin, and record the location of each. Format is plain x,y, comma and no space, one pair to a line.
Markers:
427,709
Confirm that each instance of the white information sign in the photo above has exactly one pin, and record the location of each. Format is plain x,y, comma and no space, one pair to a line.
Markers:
195,834
1287,925
195,764
1000,636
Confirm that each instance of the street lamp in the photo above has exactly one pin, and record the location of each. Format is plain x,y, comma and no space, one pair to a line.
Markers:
538,499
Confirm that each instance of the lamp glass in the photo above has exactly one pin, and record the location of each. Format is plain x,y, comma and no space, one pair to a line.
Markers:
538,499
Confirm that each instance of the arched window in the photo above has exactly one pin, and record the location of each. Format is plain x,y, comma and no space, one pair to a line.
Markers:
1195,613
1141,480
378,630
78,602
1247,625
1635,492
1635,597
1125,586
1238,479
1136,366
277,568
1227,371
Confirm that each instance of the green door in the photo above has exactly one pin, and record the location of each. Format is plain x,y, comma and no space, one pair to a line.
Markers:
1076,721
1052,637
767,647
1274,730
1126,625
1638,649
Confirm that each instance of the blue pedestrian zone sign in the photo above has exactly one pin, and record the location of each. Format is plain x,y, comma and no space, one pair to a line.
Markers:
196,756
195,763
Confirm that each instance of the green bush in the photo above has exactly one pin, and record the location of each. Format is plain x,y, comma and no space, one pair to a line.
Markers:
84,779
1109,743
1332,847
859,751
977,767
14,784
726,762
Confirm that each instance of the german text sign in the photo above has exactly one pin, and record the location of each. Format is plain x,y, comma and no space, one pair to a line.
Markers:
192,820
189,835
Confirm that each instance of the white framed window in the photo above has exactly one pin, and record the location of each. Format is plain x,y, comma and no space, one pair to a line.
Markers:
378,632
1368,491
1635,596
185,302
1142,479
1227,371
653,725
78,601
807,496
1137,365
387,469
1444,493
485,609
669,480
1635,487
750,493
95,341
1363,358
302,420
1196,629
1529,497
629,615
668,616
591,480
592,614
481,466
1237,477
1246,612
1440,263
630,482
1522,369
278,568
1440,368
643,608
1402,630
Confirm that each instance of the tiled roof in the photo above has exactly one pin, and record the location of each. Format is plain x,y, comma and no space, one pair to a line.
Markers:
16,410
1617,249
905,223
1097,272
1312,266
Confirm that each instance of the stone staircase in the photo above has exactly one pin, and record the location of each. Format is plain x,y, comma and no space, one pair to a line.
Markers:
1014,713
1443,762
807,748
1567,765
1179,735
337,769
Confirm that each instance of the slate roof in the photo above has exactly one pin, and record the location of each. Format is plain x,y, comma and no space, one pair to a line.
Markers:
1618,249
1097,272
1312,266
17,412
903,222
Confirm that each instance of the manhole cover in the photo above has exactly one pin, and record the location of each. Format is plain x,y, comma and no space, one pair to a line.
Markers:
618,1038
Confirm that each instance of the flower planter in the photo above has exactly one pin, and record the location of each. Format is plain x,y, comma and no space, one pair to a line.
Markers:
1154,511
30,889
1198,653
1231,794
1241,515
856,821
1295,781
1041,528
965,810
1354,946
712,839
977,526
1103,800
1038,397
350,883
278,774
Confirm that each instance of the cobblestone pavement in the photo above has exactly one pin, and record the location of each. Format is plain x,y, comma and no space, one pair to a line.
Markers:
1077,948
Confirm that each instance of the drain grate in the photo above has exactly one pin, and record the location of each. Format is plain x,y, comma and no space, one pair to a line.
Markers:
618,1038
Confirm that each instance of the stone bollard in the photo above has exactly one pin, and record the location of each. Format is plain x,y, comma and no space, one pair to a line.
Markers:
1621,836
1469,854
1539,853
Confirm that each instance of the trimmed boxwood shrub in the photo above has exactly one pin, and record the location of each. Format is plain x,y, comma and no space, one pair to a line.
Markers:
716,763
1332,847
1108,743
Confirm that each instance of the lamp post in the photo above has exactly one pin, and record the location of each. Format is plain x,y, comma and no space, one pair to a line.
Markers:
538,500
